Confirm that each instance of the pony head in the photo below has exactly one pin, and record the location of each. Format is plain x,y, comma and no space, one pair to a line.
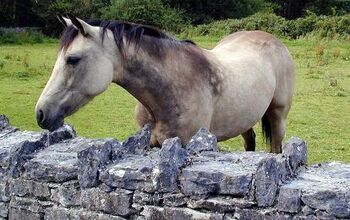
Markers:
83,70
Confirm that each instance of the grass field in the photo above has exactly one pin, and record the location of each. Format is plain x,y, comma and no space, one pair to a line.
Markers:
320,113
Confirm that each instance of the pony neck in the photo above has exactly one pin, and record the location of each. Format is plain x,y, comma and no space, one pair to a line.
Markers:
161,83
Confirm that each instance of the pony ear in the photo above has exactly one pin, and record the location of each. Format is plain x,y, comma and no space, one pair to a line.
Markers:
65,21
84,28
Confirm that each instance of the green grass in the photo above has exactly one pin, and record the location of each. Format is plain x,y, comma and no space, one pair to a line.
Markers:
320,112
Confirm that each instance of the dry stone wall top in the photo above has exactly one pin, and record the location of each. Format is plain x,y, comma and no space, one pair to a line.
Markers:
61,176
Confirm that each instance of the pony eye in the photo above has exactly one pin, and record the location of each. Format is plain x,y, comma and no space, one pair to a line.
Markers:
73,60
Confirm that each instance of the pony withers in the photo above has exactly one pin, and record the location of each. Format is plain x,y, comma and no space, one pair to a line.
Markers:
248,76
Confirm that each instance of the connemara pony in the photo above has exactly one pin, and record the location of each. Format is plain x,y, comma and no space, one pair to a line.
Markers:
180,87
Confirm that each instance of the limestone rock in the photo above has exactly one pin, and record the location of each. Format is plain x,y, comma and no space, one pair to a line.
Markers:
58,162
16,148
94,158
221,204
5,191
325,187
4,210
117,202
65,132
134,172
266,182
139,142
296,150
289,200
4,122
203,140
68,194
171,157
143,198
174,199
168,213
221,176
72,214
22,187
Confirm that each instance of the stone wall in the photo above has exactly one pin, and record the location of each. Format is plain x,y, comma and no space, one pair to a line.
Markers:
61,176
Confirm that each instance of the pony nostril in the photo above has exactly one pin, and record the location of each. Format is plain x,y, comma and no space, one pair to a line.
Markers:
40,116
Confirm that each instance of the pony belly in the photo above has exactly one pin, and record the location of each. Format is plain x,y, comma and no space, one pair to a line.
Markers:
232,128
234,117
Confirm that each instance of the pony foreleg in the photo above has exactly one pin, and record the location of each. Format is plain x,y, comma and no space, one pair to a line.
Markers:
249,140
143,117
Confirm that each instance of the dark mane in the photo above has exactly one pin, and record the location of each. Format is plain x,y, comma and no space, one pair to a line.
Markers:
131,31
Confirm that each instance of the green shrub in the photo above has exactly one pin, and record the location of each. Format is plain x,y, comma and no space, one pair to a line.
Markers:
20,36
260,21
150,12
311,25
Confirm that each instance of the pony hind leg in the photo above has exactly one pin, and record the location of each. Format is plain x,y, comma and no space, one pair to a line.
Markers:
276,119
249,140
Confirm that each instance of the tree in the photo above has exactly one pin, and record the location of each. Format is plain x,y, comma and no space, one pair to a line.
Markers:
204,11
7,13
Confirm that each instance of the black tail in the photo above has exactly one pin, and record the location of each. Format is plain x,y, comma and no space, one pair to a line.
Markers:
266,129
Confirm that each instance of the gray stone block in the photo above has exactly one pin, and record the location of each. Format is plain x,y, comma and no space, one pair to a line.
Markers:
117,202
25,208
57,213
168,213
144,198
217,175
4,122
19,214
156,171
325,187
63,133
174,199
134,172
22,187
203,140
4,191
94,158
266,182
295,150
19,147
58,162
16,148
289,200
67,194
171,157
139,142
284,170
4,209
263,214
221,204
75,214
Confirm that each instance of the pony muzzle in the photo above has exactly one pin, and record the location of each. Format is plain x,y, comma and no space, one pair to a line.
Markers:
48,120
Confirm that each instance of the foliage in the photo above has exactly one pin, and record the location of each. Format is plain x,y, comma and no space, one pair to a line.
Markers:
205,11
47,10
298,8
150,12
18,14
20,36
171,15
321,26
